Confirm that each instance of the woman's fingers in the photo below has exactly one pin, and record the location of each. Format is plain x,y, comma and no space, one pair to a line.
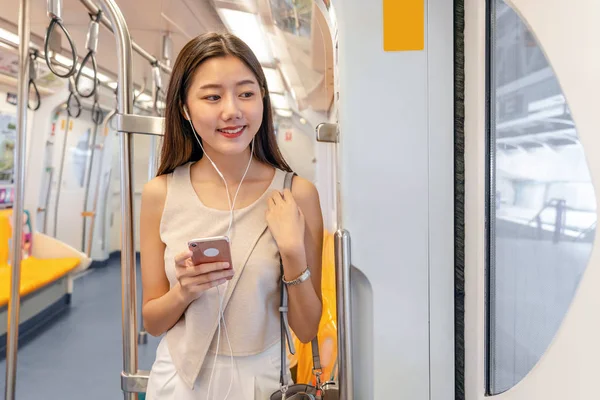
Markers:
181,258
197,289
276,197
217,276
200,269
207,278
288,196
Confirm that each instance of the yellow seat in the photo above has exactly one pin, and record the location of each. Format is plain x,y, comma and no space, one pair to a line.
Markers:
35,274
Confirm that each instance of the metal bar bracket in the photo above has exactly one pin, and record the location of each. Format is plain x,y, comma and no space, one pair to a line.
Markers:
141,124
327,133
135,383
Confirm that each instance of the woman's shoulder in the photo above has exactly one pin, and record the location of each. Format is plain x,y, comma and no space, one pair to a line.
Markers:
155,191
306,196
157,187
304,190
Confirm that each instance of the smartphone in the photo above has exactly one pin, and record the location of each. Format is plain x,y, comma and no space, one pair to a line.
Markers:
210,250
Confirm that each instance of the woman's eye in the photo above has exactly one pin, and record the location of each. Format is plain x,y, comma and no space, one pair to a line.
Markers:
213,97
247,94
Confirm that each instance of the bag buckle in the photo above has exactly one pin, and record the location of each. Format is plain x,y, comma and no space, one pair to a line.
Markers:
317,372
284,389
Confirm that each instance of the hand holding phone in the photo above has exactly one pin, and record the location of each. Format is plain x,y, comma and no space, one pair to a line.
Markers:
209,250
206,265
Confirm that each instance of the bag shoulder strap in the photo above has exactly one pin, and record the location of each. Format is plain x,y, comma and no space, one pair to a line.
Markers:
287,182
286,335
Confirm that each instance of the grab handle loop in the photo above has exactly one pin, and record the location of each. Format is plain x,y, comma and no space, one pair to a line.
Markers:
73,97
33,70
97,113
92,46
56,21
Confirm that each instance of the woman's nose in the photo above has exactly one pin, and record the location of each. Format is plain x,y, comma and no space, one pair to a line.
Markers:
231,109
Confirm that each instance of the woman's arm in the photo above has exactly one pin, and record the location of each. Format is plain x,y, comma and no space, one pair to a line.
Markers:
300,241
162,307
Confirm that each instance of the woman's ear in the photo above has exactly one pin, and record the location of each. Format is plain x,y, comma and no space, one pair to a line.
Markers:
185,113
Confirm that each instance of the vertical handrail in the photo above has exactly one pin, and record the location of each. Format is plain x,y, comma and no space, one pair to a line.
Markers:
88,180
344,320
100,184
14,299
105,200
61,169
50,171
125,106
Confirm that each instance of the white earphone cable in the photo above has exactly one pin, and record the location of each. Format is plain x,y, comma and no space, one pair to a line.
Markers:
221,299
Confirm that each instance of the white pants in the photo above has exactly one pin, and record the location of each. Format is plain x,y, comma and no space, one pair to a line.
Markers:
254,377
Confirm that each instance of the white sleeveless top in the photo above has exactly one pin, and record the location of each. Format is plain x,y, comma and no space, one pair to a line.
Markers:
251,298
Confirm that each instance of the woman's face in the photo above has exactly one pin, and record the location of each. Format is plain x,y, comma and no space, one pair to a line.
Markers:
225,104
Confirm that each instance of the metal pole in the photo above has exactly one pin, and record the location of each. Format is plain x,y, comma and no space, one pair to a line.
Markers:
14,299
60,175
125,106
50,171
105,200
86,197
109,25
344,321
100,184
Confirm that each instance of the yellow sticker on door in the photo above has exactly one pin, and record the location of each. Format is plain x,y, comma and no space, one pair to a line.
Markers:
403,25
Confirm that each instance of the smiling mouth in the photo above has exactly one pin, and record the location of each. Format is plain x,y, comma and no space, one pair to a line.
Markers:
232,132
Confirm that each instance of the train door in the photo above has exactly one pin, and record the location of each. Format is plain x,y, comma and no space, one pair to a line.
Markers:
396,180
532,270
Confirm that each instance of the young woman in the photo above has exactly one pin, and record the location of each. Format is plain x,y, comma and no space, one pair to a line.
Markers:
219,148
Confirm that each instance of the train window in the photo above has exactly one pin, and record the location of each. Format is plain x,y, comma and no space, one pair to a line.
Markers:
293,16
541,203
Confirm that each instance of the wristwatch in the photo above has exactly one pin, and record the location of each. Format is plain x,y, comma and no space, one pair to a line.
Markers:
304,276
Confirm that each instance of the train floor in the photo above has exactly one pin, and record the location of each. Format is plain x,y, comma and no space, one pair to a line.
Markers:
79,356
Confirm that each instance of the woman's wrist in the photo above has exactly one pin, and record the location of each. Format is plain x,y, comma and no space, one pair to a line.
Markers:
294,262
292,250
180,296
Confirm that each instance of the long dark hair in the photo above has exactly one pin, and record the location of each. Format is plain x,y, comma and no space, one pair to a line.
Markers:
179,145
